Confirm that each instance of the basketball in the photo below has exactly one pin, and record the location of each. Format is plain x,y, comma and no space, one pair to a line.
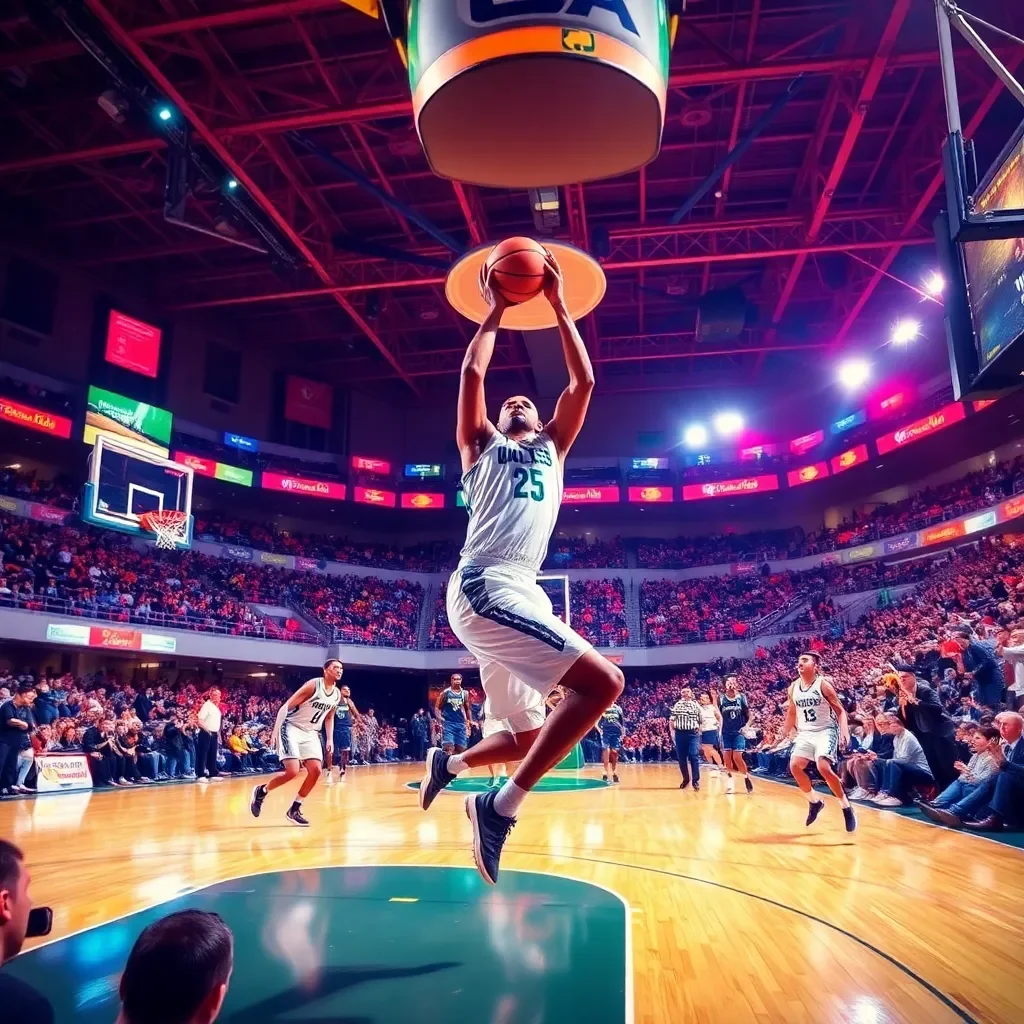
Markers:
516,268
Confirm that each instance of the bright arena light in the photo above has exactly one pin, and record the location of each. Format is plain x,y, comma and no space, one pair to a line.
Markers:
934,283
695,435
164,113
905,331
728,424
854,373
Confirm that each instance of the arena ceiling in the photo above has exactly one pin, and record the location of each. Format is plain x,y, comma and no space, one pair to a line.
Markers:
824,224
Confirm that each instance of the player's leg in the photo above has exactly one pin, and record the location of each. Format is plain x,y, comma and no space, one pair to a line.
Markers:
740,764
259,793
798,768
313,768
606,758
613,759
827,752
727,755
679,740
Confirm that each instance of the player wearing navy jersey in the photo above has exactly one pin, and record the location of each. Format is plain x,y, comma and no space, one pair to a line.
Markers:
452,709
297,738
735,715
512,481
612,724
816,716
345,715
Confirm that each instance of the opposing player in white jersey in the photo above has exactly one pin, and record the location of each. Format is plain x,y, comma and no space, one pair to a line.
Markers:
297,738
512,481
816,715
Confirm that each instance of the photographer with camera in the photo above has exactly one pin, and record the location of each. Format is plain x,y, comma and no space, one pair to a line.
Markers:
21,1003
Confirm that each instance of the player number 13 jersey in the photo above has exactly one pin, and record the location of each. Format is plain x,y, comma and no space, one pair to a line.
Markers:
513,493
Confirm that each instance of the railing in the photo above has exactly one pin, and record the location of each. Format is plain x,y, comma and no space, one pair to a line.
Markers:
350,635
129,616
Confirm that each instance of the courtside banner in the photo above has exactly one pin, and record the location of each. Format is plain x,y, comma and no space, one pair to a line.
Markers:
304,486
422,499
982,521
59,773
939,534
889,405
204,467
651,494
604,494
848,459
34,419
922,428
731,488
374,496
379,466
807,474
110,638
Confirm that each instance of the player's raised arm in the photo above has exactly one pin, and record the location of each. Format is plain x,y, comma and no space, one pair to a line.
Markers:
571,409
473,429
356,713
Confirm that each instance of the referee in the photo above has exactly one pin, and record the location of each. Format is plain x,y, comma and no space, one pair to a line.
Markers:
685,721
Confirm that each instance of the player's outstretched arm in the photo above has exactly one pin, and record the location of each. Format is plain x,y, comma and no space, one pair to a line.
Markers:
356,713
302,694
473,429
571,408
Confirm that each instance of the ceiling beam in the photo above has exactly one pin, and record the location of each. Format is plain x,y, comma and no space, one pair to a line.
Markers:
359,114
162,82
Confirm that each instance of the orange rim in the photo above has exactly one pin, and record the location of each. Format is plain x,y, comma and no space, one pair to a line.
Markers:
533,40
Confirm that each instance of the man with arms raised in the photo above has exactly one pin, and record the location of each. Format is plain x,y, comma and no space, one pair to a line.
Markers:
512,480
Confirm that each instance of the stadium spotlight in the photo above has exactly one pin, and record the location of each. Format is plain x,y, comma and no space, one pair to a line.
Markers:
905,331
854,373
164,113
934,284
728,424
695,435
232,184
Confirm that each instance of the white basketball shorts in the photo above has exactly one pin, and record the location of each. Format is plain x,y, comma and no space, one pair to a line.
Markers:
813,745
507,623
299,744
492,725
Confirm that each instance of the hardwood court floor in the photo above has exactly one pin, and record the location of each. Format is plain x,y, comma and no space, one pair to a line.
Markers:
738,912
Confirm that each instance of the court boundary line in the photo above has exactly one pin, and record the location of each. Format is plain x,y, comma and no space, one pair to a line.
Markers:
936,993
627,909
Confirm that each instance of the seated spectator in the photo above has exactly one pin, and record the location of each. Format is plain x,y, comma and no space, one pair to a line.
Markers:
974,786
19,1002
1006,807
178,971
906,768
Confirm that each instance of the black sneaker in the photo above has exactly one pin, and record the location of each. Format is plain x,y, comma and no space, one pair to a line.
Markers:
259,794
850,818
294,814
490,830
748,784
814,810
696,787
604,778
435,778
683,785
615,778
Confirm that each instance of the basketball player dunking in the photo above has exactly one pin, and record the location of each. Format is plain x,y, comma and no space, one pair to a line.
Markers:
512,480
818,718
297,738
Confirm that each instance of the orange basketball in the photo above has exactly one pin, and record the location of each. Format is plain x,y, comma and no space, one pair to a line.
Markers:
517,268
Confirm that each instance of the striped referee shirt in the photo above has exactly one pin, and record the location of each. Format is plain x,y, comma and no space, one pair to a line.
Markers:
686,715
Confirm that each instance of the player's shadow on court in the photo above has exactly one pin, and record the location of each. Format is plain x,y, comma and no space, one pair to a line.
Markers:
288,1003
790,839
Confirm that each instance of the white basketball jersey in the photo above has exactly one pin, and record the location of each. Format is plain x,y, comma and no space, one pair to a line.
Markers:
813,712
310,714
513,494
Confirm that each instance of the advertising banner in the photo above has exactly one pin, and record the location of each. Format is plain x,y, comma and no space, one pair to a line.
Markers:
308,401
198,464
603,494
234,475
855,419
241,442
807,474
743,568
422,470
374,496
1011,509
650,463
939,534
364,465
22,415
651,494
983,403
860,554
9,504
758,451
850,458
59,773
731,488
47,513
306,564
896,545
238,552
982,521
273,558
799,445
920,429
304,486
889,405
110,637
422,499
132,344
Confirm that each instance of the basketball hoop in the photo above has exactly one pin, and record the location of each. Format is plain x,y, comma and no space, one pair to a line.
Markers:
168,525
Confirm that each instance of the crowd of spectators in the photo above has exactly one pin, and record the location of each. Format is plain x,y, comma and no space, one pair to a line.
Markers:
582,553
29,485
441,637
598,611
